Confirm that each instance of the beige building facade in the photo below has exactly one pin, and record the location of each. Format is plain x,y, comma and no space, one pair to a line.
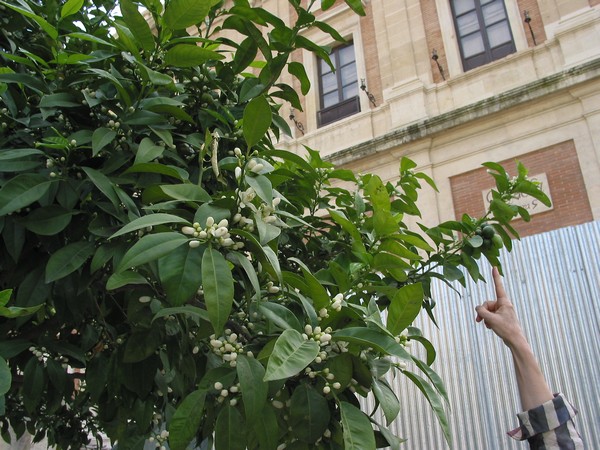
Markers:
455,83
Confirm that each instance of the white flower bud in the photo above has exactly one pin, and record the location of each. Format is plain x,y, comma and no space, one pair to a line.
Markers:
195,350
233,402
188,230
238,173
202,234
223,223
276,202
210,221
337,385
144,299
323,312
325,338
257,168
227,242
252,164
237,151
277,404
194,244
218,386
224,393
326,390
273,289
308,329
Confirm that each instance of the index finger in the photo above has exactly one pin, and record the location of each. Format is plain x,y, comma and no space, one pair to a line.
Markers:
498,285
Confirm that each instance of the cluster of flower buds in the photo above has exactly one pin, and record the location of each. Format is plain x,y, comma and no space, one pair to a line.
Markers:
227,347
336,305
323,337
244,222
224,393
246,197
214,232
42,356
403,340
160,439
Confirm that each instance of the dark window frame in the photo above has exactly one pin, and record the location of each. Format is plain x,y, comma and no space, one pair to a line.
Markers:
489,53
345,107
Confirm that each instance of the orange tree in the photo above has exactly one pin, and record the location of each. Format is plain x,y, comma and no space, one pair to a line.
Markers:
167,273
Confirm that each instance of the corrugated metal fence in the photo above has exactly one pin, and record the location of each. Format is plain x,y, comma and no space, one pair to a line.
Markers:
554,280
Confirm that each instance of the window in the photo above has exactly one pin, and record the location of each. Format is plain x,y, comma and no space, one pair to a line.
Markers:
338,90
483,31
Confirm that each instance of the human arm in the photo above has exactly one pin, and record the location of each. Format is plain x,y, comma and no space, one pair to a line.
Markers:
546,421
501,318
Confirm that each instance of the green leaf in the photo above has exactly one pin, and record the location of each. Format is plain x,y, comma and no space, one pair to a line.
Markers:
33,384
180,273
187,55
43,23
120,279
357,431
101,138
68,259
5,377
70,7
263,425
254,390
316,290
13,312
147,151
104,184
387,399
65,100
290,355
309,414
141,344
434,400
137,25
405,307
148,221
230,430
186,192
241,260
435,379
257,120
28,80
181,14
186,310
357,244
22,191
150,248
171,171
48,220
187,418
262,186
217,283
372,338
297,69
5,296
280,316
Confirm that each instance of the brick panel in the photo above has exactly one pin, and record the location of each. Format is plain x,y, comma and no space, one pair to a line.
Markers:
567,190
537,24
371,56
433,35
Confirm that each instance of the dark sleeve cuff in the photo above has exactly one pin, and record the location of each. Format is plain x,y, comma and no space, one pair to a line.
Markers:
543,418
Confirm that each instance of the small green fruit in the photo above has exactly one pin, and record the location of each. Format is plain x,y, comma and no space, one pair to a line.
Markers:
488,232
497,241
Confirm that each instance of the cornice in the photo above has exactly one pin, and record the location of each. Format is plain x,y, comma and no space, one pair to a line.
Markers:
426,128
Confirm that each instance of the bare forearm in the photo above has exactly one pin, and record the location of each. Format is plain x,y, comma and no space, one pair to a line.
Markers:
533,388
